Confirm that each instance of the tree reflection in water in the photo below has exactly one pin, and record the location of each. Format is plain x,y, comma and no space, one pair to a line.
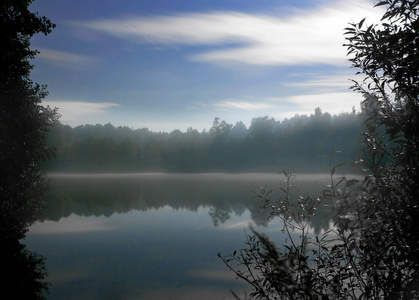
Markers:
222,194
140,230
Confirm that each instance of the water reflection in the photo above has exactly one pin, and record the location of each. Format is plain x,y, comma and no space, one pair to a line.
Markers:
72,224
223,195
152,236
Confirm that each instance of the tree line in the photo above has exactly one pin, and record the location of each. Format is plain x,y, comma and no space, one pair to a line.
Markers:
302,143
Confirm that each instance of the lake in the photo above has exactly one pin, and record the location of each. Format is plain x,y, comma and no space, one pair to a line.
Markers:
153,236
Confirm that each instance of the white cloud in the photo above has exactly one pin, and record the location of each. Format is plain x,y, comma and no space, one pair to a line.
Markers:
243,105
310,36
66,59
338,81
333,103
77,112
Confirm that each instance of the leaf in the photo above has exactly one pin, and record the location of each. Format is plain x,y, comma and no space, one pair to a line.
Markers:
361,23
234,295
380,3
349,29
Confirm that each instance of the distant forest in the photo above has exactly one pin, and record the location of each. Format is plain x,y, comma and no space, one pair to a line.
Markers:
302,144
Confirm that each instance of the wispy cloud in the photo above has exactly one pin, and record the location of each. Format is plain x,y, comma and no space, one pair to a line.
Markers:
300,37
76,112
330,93
243,105
66,59
336,81
333,103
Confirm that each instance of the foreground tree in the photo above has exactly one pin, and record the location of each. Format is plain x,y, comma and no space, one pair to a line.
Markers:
373,250
388,56
24,124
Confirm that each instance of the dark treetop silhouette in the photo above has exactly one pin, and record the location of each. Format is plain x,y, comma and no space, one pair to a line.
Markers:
24,125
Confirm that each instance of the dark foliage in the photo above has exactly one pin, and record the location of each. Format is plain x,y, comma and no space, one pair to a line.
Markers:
373,250
388,55
24,124
23,273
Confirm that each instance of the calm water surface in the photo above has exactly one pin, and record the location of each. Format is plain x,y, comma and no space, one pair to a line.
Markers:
153,236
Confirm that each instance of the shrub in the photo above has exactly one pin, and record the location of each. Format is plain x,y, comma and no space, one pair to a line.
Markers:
372,250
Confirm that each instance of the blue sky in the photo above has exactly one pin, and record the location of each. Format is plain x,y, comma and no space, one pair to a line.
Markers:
175,64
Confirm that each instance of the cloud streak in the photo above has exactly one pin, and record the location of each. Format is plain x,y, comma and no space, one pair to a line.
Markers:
76,112
66,59
301,37
243,105
331,102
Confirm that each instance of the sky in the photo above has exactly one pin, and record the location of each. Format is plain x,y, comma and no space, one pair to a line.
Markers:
175,64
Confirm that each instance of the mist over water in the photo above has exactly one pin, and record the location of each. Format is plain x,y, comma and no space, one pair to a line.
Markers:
154,235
